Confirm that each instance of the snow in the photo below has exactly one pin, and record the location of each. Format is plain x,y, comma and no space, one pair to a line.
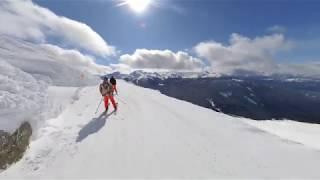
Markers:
155,136
298,80
250,100
226,94
22,97
213,105
249,88
311,95
166,74
299,132
60,98
237,80
26,71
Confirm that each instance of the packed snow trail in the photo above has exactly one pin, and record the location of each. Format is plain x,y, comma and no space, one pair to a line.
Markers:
155,136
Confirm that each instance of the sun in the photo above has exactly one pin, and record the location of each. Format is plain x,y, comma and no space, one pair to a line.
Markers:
138,6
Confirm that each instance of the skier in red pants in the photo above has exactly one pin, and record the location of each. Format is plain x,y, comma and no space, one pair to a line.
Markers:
106,91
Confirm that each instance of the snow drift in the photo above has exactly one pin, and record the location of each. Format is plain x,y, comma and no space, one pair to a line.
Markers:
26,71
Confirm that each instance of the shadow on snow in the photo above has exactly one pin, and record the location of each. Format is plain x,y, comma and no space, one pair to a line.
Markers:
93,126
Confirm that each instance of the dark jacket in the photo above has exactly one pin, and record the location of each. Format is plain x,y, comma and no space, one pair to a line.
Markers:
113,81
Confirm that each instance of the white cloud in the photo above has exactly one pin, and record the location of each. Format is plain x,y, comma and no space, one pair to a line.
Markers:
158,59
26,20
277,29
243,53
309,69
72,58
50,62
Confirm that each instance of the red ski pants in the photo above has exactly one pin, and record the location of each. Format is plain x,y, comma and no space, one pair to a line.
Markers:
106,101
114,88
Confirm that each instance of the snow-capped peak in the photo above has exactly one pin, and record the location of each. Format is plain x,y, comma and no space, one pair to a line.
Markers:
140,74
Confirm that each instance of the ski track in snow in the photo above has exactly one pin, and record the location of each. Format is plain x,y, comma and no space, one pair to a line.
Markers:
155,136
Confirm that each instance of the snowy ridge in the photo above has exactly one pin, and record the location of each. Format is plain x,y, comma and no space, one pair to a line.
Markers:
137,75
168,138
143,74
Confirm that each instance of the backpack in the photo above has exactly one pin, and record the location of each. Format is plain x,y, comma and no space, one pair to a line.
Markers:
106,89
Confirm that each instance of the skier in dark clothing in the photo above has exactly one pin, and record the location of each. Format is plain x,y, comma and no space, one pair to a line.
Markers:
106,90
114,84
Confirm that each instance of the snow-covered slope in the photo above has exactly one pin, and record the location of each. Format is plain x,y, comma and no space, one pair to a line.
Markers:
27,69
300,132
22,97
137,75
154,136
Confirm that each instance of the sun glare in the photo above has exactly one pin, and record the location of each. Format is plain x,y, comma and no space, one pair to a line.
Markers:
138,6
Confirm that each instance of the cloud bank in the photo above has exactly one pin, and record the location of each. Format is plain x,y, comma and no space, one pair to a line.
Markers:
158,59
277,29
49,62
310,69
243,53
26,20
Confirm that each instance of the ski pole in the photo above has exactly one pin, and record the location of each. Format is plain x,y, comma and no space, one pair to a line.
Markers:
121,100
98,106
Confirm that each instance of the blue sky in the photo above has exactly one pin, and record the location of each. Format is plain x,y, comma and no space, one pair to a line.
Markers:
265,36
196,21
